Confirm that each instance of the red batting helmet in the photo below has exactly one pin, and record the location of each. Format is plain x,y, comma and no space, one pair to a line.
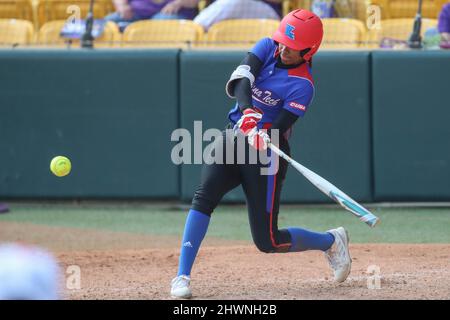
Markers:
300,30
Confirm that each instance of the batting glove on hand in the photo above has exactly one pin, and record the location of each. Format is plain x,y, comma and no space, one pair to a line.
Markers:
249,120
258,139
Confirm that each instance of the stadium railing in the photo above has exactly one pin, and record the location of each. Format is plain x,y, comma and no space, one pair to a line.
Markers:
49,36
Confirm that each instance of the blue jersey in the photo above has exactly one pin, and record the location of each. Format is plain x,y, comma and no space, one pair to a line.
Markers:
276,88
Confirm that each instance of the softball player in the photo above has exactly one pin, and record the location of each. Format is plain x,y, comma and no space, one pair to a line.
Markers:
273,87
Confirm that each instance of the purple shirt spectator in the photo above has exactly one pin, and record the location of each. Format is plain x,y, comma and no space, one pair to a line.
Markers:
444,19
275,6
148,8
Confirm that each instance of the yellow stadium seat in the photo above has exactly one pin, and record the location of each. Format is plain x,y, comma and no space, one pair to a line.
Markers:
343,33
240,33
49,35
162,34
289,5
16,9
398,29
15,32
394,9
49,10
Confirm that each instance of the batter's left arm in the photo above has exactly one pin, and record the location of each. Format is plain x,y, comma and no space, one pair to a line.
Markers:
240,84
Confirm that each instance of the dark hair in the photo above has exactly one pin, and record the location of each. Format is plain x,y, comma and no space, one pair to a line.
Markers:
304,51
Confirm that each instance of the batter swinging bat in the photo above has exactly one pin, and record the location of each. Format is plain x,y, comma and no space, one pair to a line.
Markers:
330,190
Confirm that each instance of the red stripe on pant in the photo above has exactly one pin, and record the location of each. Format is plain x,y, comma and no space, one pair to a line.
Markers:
274,184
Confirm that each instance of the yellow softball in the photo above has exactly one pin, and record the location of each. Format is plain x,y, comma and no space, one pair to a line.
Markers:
60,166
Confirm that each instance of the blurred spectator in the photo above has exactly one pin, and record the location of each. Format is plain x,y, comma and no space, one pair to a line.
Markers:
333,8
431,39
238,9
128,11
345,9
323,8
444,26
27,273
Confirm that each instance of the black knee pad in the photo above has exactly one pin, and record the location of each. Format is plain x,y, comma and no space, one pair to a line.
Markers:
200,202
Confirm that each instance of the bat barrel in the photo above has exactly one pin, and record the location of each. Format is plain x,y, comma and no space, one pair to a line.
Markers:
330,190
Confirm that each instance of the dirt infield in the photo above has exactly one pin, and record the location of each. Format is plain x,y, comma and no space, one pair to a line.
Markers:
125,266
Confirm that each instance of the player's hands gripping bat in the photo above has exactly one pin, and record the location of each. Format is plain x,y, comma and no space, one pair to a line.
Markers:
247,124
249,120
258,139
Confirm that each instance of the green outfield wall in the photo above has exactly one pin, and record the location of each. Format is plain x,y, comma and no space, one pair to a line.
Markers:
411,125
378,126
111,113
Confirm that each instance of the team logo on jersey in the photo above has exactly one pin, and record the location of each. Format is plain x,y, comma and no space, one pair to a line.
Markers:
265,97
289,32
297,106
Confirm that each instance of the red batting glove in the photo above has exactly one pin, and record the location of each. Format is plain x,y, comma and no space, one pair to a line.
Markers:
258,139
249,120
